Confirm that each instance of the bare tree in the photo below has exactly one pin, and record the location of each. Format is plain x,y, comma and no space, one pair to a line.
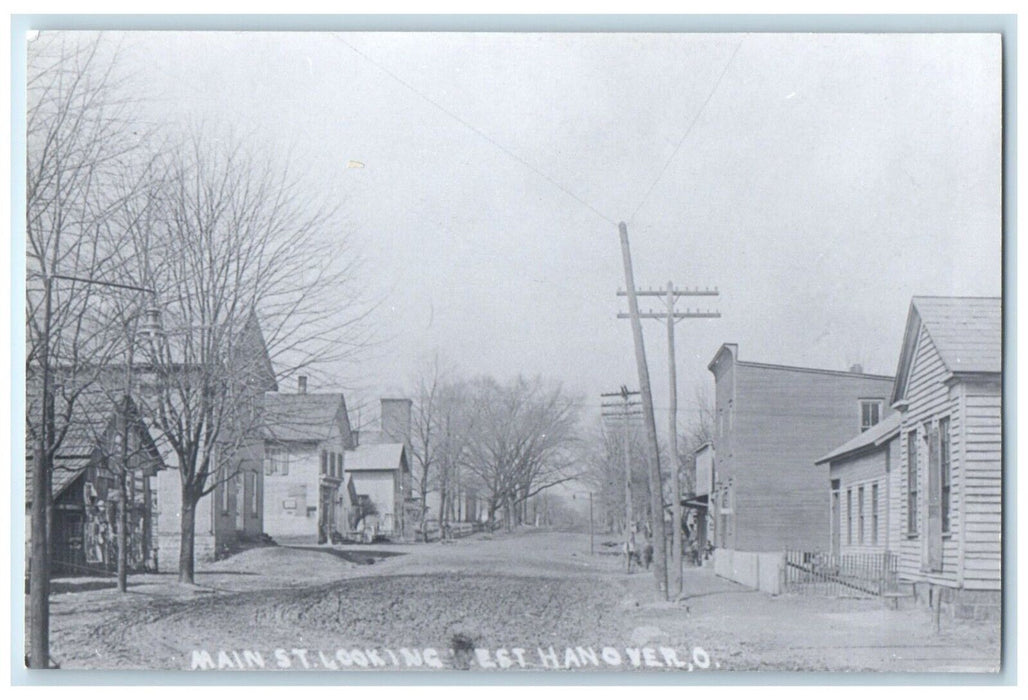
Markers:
242,257
523,442
80,139
424,432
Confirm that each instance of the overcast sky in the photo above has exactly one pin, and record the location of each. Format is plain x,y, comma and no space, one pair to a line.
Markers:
818,180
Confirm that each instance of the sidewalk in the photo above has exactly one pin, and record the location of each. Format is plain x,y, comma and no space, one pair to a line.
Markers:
742,629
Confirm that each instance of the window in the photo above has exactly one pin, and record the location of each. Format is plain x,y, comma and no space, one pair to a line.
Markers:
912,482
860,515
849,516
874,514
336,465
944,463
870,413
254,500
276,460
324,462
224,495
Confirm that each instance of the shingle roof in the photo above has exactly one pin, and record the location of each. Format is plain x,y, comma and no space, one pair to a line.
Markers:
94,411
873,436
384,456
301,417
967,331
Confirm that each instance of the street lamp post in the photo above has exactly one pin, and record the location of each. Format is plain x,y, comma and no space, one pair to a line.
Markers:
42,482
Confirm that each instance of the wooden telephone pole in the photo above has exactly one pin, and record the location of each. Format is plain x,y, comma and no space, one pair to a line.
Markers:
670,316
653,473
625,410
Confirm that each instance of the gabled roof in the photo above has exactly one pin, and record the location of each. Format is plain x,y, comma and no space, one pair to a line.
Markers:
302,417
94,415
967,333
386,456
875,436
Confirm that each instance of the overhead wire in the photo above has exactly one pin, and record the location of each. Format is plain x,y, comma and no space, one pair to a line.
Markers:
688,131
476,130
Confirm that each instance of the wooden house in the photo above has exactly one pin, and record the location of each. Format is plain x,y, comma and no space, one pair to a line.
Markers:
948,500
379,466
306,497
381,474
233,510
772,423
862,478
106,440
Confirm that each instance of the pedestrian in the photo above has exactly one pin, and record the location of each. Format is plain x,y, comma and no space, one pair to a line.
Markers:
630,553
647,556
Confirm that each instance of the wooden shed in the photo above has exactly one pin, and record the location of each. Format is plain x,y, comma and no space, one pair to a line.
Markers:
948,499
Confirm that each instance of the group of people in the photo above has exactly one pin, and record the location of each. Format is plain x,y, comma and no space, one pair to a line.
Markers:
643,554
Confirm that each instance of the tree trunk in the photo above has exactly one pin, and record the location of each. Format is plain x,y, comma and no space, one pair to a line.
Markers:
39,574
123,535
186,561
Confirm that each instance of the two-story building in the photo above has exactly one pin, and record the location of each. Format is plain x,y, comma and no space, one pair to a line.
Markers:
306,436
379,466
772,423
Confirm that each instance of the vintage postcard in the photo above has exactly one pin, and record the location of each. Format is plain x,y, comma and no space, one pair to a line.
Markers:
508,352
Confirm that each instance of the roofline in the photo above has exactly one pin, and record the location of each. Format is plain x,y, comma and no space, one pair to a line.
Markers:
857,451
815,370
733,348
867,447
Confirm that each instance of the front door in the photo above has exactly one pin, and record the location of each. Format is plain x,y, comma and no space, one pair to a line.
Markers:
326,515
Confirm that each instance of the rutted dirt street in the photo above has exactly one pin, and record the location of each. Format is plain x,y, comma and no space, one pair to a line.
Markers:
523,599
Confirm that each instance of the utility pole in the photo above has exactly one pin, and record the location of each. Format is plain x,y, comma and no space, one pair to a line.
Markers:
625,410
671,317
653,473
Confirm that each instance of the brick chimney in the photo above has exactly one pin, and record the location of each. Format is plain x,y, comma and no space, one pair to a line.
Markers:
396,420
301,384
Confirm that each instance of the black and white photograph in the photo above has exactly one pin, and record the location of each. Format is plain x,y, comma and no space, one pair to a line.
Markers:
510,352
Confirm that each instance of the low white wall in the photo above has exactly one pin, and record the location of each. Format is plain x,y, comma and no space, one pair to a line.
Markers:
758,570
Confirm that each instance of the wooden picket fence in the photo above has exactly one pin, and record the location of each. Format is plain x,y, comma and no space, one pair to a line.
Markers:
823,574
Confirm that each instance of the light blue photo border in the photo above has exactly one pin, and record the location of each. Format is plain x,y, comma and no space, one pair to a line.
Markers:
1006,25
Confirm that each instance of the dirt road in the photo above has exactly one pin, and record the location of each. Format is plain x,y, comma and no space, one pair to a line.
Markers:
530,600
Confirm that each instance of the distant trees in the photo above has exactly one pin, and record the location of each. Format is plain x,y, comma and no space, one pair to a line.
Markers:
504,441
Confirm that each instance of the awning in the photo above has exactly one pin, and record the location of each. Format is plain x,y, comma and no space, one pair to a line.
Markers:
696,501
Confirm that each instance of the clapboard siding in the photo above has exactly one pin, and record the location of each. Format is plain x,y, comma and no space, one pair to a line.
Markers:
863,470
928,399
971,552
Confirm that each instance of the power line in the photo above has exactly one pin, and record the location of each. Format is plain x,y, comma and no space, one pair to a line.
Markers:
475,129
687,131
